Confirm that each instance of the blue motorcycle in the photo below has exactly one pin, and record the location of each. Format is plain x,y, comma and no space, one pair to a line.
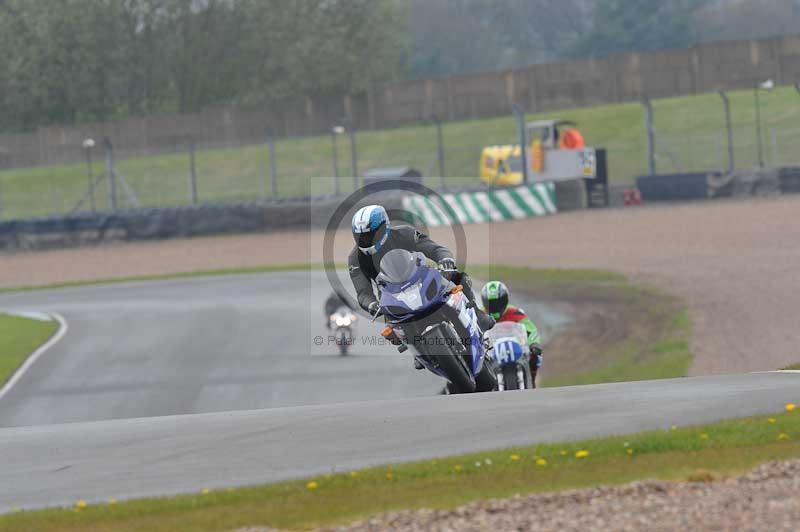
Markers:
426,311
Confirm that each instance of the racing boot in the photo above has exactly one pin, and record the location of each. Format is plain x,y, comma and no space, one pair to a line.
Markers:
535,362
485,322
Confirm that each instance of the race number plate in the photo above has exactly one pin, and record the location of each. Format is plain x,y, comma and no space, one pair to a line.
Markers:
507,351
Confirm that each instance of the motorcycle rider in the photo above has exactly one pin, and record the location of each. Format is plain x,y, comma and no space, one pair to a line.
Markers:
332,304
494,296
375,237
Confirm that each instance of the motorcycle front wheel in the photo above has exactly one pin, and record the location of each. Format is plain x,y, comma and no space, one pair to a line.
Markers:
439,346
343,342
486,380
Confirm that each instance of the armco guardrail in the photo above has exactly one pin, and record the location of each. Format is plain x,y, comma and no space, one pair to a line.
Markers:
490,205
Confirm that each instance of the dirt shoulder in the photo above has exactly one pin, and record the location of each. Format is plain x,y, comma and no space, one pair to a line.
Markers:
735,263
617,330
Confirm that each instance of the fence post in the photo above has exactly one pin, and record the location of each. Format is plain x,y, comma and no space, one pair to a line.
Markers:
728,128
439,147
519,114
759,136
353,152
775,156
651,137
192,173
112,181
273,164
335,131
88,144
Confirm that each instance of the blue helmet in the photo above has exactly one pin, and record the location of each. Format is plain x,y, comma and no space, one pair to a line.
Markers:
370,228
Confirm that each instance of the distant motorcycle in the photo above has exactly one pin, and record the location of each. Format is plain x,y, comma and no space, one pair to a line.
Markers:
342,324
426,311
509,349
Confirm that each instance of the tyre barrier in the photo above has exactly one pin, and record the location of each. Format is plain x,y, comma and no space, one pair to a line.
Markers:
673,187
165,223
744,182
790,179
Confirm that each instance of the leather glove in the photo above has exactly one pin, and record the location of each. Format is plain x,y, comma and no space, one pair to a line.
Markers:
536,350
447,263
374,308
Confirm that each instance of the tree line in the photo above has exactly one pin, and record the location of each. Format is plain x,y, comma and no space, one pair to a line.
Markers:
75,61
81,60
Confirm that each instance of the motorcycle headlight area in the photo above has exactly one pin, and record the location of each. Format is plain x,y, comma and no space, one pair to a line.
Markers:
411,296
342,322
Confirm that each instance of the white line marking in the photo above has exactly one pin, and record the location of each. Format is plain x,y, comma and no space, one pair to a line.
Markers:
62,330
38,316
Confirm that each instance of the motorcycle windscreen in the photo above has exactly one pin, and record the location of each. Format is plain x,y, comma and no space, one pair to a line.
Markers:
508,329
397,266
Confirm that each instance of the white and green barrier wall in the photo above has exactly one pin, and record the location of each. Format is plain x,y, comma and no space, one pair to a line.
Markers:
491,205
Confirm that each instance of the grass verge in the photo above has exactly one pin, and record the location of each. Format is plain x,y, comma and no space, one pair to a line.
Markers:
621,331
19,337
687,453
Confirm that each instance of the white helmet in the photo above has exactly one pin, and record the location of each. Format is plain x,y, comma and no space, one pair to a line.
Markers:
370,228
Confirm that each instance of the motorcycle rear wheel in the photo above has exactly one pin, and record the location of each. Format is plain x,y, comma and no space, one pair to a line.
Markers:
510,377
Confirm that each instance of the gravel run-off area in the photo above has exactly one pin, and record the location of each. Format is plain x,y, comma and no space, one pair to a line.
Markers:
767,498
736,263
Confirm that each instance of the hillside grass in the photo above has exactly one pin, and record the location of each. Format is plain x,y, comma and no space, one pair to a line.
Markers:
698,453
690,137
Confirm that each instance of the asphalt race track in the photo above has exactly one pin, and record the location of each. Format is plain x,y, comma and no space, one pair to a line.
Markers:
198,345
58,464
172,386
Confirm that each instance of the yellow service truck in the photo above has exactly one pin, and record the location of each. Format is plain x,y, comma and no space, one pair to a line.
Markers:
555,151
